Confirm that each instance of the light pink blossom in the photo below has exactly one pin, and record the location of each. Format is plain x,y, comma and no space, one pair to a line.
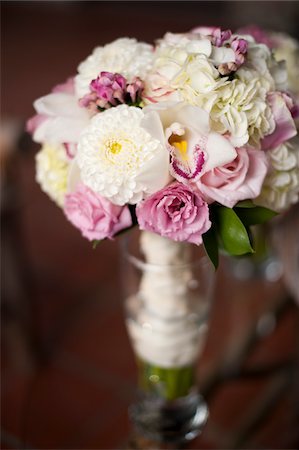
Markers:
239,180
59,118
68,87
285,127
95,216
175,212
34,122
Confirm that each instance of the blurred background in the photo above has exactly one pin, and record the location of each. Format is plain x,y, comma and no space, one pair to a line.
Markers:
68,371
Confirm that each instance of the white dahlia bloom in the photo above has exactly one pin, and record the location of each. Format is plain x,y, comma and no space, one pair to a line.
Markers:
281,186
119,158
126,56
241,110
52,167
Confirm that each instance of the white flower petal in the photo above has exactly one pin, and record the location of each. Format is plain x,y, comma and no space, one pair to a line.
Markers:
219,151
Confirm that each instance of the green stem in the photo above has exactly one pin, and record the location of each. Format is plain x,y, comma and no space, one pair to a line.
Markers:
169,383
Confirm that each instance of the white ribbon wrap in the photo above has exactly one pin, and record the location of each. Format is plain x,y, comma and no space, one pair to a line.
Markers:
167,323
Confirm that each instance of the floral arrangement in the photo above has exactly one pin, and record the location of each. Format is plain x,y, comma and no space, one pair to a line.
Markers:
193,138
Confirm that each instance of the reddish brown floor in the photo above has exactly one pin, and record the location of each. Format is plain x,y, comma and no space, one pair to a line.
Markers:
68,371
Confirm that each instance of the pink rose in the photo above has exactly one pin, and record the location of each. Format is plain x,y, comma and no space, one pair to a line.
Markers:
95,216
238,180
175,212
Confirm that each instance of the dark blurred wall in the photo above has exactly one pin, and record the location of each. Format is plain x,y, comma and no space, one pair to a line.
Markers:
43,42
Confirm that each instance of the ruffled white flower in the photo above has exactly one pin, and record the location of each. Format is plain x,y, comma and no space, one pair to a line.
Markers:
241,110
119,159
287,49
261,60
281,186
52,167
126,56
183,71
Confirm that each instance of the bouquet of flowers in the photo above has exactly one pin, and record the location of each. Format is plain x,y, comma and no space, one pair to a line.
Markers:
192,138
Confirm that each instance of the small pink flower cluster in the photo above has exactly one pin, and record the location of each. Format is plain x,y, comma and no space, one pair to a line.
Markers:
111,89
219,37
238,45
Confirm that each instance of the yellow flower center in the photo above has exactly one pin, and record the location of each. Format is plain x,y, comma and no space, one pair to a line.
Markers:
182,147
114,147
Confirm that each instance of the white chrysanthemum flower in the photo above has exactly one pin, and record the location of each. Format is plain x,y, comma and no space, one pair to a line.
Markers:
242,111
281,186
126,56
119,159
52,167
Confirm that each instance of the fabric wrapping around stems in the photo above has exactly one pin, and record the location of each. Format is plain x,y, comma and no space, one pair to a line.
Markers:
168,326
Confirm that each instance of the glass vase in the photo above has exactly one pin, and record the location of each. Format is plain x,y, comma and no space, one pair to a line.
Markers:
168,288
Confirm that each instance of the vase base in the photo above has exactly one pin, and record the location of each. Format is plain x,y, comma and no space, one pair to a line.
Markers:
169,421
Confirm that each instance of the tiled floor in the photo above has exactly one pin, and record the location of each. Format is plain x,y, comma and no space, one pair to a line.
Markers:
68,373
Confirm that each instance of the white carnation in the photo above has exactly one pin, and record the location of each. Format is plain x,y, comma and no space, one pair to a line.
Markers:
52,167
242,111
119,159
281,186
126,56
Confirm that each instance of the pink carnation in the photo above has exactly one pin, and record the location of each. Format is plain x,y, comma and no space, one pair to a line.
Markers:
238,180
175,212
95,216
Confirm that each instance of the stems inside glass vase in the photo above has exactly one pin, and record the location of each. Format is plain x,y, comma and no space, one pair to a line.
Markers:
168,383
168,287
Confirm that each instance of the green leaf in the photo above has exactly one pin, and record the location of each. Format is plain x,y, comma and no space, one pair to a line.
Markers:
245,204
255,216
232,232
95,243
210,243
